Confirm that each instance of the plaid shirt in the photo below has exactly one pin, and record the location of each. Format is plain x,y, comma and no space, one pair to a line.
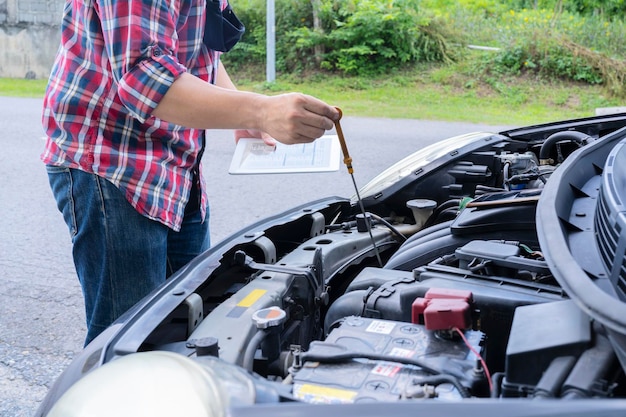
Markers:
116,61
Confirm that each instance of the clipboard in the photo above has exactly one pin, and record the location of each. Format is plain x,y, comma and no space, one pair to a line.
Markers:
253,156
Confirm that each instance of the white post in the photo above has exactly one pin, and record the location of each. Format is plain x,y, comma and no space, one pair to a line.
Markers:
12,11
270,28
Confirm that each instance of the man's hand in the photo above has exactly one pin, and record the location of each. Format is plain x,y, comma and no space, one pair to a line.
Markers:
296,118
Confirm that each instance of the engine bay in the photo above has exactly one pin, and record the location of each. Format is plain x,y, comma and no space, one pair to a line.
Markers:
465,304
441,290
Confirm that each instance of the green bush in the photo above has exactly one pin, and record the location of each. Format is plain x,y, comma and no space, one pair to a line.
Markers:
251,48
582,40
544,39
548,56
380,35
354,36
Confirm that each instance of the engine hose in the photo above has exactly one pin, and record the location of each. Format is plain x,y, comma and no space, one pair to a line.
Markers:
454,203
592,366
350,355
444,379
450,212
417,250
571,135
505,174
427,231
483,189
389,226
552,379
497,382
255,342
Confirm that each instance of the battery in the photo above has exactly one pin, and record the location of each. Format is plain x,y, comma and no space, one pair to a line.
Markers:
359,379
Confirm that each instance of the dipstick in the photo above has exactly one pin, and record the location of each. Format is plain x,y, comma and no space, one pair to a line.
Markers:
347,160
344,148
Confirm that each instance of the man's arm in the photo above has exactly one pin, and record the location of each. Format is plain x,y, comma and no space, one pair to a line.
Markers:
289,118
223,79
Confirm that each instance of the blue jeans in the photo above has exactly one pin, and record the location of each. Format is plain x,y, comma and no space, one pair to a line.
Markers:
120,256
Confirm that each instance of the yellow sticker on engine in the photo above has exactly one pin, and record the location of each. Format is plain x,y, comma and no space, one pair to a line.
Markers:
251,298
323,395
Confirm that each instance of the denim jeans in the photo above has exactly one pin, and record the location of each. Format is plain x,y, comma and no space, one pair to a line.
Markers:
120,256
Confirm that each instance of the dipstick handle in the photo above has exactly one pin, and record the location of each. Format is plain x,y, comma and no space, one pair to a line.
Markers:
342,141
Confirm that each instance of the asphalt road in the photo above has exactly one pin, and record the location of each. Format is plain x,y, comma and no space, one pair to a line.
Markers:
41,312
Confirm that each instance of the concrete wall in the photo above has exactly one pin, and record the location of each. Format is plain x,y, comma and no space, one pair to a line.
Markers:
29,37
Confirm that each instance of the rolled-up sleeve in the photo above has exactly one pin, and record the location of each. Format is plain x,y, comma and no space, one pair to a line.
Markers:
141,41
142,88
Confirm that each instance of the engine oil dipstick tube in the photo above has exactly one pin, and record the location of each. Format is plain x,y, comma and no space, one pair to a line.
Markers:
347,160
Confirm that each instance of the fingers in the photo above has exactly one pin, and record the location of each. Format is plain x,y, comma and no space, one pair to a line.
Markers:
326,115
270,141
250,133
299,118
240,133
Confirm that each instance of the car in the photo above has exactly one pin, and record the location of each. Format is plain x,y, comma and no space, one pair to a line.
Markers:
483,275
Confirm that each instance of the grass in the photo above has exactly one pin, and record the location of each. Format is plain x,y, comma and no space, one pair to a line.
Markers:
423,93
448,95
16,87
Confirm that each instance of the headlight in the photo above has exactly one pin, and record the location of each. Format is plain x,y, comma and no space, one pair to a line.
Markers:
156,384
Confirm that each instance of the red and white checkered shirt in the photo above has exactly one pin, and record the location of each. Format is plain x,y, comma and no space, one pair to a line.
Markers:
116,61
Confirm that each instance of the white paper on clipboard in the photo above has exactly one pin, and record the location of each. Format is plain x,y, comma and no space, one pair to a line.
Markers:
253,156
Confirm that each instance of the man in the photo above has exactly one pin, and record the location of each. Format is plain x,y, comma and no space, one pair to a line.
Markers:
132,90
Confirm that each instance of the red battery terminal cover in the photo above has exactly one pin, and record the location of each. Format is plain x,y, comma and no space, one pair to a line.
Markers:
443,309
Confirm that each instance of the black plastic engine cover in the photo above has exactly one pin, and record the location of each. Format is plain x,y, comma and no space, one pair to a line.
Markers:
539,334
498,212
